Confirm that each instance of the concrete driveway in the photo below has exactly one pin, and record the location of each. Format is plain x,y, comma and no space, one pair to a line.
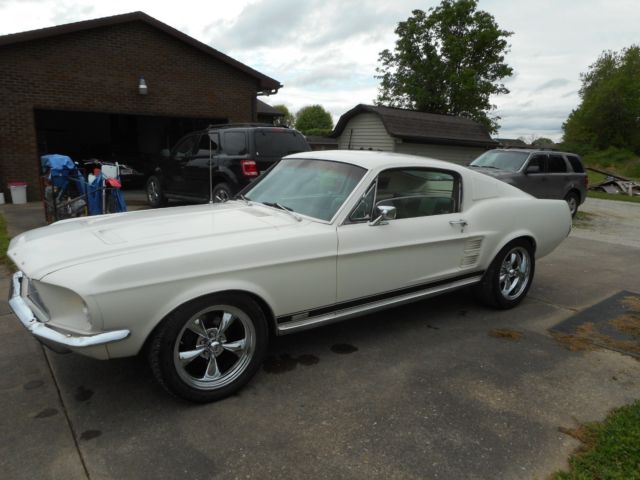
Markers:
421,391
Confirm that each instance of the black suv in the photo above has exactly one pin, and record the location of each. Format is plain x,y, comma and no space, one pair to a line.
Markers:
237,155
541,173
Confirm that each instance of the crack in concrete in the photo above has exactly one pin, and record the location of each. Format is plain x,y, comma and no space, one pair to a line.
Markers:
66,414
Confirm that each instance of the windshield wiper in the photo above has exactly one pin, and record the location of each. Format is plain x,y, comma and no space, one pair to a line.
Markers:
284,209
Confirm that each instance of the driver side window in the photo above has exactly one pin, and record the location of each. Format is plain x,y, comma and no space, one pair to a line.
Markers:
414,192
184,148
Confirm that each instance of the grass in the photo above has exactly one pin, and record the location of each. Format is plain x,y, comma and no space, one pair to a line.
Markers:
609,196
4,245
617,160
610,449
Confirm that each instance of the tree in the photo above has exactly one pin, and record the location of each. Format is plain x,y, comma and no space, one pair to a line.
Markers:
449,60
542,142
288,120
314,120
609,111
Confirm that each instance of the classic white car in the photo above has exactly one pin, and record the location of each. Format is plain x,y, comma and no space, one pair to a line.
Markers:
322,237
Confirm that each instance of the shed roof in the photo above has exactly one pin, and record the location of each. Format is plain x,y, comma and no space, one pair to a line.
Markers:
266,84
422,127
266,109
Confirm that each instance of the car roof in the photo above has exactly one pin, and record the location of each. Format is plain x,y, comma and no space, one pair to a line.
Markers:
534,150
374,160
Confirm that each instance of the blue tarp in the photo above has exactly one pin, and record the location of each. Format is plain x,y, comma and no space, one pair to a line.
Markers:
61,168
94,197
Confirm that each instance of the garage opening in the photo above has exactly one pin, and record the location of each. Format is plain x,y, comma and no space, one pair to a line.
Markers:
128,139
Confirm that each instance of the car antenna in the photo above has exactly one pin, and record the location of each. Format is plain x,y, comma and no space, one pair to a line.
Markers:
210,170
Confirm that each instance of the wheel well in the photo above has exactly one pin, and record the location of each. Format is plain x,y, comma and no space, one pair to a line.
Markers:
529,239
577,192
264,306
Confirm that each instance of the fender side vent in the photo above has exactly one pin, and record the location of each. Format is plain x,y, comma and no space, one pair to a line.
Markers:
471,252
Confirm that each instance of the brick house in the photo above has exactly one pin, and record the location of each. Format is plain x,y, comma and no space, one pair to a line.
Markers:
76,89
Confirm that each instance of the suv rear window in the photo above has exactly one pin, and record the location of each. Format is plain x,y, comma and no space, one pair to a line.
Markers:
576,164
557,164
279,142
235,143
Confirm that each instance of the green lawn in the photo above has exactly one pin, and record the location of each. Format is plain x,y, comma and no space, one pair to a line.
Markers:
4,244
608,196
611,449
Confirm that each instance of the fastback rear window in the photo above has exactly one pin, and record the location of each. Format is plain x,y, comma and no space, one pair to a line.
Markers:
279,142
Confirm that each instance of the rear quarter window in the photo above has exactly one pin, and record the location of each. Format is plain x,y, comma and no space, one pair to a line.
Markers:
576,164
557,164
279,143
235,143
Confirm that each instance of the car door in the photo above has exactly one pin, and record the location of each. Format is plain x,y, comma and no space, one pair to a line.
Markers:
558,177
180,156
425,242
196,169
534,179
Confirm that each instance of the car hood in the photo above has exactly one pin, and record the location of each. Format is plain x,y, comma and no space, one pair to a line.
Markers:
70,242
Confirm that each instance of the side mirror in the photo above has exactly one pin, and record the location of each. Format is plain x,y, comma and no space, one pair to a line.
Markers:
385,213
165,153
533,169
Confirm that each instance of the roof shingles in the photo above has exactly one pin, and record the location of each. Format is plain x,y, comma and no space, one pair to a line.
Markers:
423,127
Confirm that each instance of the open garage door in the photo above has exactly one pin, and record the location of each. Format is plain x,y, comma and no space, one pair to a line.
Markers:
130,139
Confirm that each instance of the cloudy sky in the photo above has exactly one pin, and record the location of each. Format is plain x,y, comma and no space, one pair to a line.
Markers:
326,51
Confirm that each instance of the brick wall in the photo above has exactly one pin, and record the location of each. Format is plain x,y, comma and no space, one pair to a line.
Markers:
97,71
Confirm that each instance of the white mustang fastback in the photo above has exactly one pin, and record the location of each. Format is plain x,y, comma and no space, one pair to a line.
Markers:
322,237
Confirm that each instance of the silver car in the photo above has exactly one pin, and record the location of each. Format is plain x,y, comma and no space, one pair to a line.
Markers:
541,173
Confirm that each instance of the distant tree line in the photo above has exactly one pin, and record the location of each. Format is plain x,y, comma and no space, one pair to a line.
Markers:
609,111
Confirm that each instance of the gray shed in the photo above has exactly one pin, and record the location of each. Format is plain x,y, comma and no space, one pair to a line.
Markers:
444,137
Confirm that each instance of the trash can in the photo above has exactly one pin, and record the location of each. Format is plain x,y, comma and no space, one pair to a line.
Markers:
18,192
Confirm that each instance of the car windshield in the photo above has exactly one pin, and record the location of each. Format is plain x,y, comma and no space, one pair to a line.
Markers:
315,188
502,160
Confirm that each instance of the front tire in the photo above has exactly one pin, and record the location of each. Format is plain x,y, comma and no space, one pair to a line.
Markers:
209,348
509,277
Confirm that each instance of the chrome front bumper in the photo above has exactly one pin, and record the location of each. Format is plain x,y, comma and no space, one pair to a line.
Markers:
47,334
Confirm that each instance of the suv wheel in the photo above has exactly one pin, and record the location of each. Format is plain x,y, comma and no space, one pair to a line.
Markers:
221,192
573,201
155,195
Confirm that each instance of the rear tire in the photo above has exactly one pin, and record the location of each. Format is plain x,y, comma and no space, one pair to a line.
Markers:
507,281
209,348
222,192
573,200
155,192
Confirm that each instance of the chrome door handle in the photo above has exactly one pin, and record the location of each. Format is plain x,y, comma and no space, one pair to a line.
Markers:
461,223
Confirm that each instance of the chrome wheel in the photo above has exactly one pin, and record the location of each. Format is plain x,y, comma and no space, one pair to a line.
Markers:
515,273
214,347
221,195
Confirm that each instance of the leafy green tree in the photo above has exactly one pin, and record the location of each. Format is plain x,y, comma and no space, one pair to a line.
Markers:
313,118
609,111
288,120
449,60
542,141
